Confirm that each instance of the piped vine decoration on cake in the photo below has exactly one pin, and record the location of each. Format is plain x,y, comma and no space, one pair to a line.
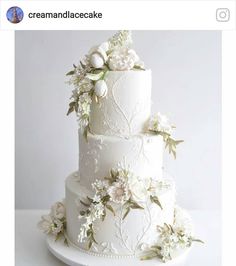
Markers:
55,222
122,188
172,239
88,77
159,124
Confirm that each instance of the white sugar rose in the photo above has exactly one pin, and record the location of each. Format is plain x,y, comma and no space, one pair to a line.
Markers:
58,210
138,189
100,88
122,59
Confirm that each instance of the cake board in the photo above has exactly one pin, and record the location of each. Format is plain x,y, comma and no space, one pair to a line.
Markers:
73,256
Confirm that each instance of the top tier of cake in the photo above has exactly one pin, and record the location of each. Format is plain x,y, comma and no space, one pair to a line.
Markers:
127,106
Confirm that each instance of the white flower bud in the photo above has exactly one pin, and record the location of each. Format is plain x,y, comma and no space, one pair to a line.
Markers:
100,88
96,60
104,46
102,53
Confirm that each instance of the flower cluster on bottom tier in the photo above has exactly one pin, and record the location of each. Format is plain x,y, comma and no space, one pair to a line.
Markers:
115,235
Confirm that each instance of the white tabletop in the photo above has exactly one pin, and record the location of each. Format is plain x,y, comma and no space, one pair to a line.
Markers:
31,248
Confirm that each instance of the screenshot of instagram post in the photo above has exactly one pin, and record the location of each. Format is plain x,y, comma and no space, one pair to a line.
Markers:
118,132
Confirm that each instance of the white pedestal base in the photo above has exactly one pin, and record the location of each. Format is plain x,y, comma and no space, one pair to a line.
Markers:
75,257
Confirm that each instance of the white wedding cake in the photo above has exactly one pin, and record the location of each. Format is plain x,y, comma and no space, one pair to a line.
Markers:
118,204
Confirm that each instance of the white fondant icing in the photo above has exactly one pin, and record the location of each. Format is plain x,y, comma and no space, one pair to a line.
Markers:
142,153
127,106
117,123
115,235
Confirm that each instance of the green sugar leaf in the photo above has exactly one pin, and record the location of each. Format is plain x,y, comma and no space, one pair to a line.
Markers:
70,73
95,77
85,204
109,207
155,200
126,213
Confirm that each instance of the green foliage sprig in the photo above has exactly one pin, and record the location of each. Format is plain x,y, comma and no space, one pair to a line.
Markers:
170,143
174,238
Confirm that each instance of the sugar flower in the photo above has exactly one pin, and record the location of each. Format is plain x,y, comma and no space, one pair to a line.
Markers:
123,59
118,192
46,224
160,123
58,210
55,222
100,88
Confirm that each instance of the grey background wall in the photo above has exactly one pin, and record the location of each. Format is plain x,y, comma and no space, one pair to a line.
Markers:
186,71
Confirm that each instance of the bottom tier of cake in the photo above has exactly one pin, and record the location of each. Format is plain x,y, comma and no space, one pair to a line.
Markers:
116,236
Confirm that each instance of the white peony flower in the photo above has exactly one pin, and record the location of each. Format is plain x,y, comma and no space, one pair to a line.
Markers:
160,123
122,59
118,192
50,225
100,88
58,210
46,224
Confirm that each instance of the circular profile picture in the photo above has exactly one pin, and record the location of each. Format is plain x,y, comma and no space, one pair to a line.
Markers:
15,14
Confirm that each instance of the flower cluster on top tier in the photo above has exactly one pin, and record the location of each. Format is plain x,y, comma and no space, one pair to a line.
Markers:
172,238
88,77
122,187
55,222
159,124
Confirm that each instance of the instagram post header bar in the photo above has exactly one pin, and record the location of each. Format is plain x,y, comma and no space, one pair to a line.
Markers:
98,15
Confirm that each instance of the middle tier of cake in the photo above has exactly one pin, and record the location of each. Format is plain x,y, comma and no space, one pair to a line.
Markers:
142,154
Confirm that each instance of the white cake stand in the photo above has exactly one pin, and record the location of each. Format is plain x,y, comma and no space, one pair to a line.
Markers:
73,256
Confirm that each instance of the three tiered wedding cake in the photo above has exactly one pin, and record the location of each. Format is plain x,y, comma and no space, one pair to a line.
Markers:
118,204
